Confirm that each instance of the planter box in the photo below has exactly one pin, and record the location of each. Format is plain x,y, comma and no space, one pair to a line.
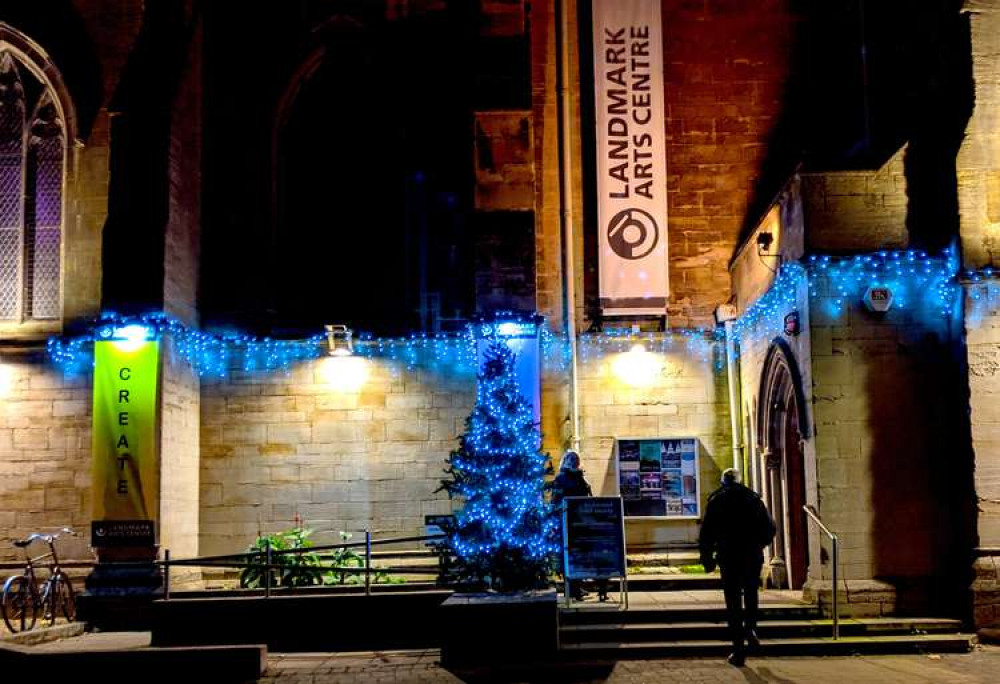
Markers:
490,629
290,623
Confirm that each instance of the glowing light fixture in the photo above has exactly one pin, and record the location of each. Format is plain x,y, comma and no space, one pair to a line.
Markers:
339,340
345,373
131,337
637,367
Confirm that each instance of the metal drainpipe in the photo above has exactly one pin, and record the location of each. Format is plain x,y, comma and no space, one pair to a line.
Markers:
732,371
566,212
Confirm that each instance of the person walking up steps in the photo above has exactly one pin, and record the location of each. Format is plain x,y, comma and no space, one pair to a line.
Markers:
736,528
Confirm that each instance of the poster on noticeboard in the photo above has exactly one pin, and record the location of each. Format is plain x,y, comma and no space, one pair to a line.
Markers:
658,477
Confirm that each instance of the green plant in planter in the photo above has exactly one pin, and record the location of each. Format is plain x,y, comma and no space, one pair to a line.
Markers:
294,569
305,568
344,558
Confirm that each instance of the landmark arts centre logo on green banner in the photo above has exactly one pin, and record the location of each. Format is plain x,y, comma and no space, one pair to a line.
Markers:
126,379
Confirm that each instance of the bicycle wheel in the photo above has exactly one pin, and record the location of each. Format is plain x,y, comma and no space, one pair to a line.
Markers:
62,601
18,604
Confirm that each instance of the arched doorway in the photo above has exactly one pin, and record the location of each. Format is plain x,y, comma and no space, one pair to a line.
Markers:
781,428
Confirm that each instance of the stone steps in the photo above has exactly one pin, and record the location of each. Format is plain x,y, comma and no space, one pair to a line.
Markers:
675,629
864,645
652,632
682,613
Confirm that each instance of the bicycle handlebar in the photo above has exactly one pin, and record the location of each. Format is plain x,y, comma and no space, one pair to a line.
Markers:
47,538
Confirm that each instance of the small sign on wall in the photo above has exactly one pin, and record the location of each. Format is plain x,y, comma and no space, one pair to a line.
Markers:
793,324
878,299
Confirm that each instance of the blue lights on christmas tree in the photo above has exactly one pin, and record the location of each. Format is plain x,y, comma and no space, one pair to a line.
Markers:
503,537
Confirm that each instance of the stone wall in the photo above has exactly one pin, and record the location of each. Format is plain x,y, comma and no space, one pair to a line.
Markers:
979,199
979,157
44,454
678,390
982,330
755,341
345,443
885,460
892,467
179,453
851,211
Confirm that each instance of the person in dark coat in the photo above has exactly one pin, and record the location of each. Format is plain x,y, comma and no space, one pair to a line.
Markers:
734,532
569,481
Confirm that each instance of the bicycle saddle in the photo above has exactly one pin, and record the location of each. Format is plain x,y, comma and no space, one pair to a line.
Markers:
21,543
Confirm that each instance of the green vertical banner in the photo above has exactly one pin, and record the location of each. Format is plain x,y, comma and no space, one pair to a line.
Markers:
125,438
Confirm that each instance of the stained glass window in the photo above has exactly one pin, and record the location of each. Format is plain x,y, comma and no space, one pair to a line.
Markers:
32,150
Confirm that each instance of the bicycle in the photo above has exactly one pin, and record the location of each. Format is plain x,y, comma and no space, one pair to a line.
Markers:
20,599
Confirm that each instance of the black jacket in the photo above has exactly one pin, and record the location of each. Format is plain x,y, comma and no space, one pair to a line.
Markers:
736,527
569,483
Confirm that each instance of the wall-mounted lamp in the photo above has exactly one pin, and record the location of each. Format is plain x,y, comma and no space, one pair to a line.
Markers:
637,367
339,340
127,338
764,240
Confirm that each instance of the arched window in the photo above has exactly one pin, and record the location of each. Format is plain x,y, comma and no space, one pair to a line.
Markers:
32,153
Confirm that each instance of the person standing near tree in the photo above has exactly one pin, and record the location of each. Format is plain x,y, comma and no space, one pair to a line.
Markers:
734,532
569,481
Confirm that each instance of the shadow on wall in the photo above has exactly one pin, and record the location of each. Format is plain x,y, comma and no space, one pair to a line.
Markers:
922,462
921,468
870,76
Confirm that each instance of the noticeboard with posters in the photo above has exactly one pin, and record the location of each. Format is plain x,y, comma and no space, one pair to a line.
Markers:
658,477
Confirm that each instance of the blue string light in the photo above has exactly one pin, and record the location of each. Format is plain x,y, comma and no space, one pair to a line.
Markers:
504,533
916,280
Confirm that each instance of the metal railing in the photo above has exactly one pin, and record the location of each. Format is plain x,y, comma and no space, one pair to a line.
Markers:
246,560
835,541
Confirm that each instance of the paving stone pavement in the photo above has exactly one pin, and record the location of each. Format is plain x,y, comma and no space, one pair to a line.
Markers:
982,666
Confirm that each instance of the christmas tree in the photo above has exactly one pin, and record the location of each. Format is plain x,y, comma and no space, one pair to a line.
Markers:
503,534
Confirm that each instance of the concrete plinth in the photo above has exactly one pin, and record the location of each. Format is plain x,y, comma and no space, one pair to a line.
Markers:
485,629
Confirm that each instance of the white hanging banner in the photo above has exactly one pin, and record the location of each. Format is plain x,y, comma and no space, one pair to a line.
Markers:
631,157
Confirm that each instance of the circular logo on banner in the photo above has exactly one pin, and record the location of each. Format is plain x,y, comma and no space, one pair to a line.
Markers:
632,233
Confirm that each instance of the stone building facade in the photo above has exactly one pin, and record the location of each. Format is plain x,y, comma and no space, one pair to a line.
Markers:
202,183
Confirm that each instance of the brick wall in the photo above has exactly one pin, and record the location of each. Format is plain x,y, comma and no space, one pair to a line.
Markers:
684,394
182,240
545,117
341,456
44,454
726,71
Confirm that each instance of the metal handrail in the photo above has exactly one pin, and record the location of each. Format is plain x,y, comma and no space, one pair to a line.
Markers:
242,560
814,516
